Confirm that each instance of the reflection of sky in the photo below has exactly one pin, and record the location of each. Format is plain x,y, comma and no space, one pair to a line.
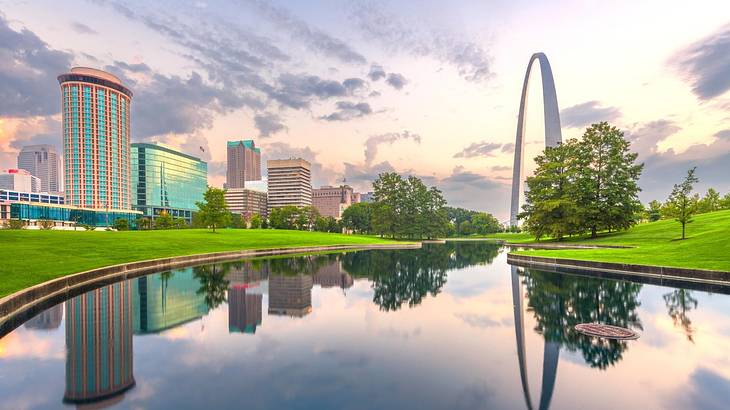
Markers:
454,350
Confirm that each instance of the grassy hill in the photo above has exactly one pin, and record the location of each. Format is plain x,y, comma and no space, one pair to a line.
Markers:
32,257
657,243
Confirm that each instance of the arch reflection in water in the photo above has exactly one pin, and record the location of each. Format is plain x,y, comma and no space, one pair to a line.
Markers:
99,361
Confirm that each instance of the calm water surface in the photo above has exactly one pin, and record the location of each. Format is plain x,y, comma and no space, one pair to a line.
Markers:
445,327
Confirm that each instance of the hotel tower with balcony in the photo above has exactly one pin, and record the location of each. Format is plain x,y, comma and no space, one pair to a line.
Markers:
96,139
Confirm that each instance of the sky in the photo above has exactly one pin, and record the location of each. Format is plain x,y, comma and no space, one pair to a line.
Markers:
423,88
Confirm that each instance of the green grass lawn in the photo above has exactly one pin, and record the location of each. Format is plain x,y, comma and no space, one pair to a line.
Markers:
658,243
31,257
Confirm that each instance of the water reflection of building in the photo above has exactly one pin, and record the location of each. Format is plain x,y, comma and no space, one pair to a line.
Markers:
244,309
290,295
247,272
333,275
49,319
166,300
99,345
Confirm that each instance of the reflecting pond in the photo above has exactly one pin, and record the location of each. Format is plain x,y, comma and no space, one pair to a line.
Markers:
447,326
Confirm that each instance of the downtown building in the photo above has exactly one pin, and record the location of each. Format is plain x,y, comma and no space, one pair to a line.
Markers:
19,180
43,162
243,163
249,201
290,183
166,181
332,201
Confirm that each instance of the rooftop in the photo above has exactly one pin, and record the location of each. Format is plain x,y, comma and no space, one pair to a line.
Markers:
246,143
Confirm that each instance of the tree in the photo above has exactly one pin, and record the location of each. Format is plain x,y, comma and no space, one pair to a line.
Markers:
283,218
256,221
607,180
163,221
46,224
121,224
551,207
679,303
681,205
357,217
654,212
710,203
725,202
143,223
237,221
179,223
213,211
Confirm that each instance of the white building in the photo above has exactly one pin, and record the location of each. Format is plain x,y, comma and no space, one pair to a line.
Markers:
41,161
19,180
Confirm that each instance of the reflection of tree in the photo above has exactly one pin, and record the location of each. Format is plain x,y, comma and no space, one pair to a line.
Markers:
679,303
213,283
559,302
407,276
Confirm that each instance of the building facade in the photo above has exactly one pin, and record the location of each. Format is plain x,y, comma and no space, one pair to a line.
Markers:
19,180
290,295
290,183
65,216
246,202
332,201
244,163
165,180
42,161
96,136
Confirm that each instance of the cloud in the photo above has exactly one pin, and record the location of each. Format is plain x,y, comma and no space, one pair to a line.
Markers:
479,149
36,130
352,85
373,142
510,147
298,90
376,24
268,124
376,72
28,71
361,176
705,65
314,39
347,111
470,190
82,28
587,113
706,389
396,81
644,137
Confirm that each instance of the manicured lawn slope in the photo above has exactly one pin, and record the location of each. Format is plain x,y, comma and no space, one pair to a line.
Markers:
31,257
707,245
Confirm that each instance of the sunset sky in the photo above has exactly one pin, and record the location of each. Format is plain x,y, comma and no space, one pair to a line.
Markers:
428,88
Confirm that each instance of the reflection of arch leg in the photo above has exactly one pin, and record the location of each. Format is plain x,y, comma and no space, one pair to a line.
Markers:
550,357
553,135
520,334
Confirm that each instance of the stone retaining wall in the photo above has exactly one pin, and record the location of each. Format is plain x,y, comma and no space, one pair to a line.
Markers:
15,308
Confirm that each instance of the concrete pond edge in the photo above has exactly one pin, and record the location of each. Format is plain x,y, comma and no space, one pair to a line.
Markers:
13,308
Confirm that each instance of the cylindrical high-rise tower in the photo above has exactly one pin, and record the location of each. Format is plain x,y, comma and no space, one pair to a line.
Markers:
96,109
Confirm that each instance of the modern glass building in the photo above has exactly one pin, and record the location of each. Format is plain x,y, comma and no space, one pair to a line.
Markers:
96,109
70,215
166,180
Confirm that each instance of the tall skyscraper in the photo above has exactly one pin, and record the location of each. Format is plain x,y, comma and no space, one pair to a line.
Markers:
244,163
166,180
43,162
290,183
96,110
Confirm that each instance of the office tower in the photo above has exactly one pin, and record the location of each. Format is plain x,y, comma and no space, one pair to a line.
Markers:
164,179
244,163
96,110
290,183
332,201
19,180
99,362
43,162
246,201
290,295
244,308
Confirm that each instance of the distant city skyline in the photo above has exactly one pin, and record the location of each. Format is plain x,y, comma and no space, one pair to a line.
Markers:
359,88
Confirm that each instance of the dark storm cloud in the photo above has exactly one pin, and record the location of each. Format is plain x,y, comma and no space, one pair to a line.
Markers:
82,28
314,39
479,149
396,81
376,72
376,24
587,113
28,71
373,142
268,124
348,110
705,65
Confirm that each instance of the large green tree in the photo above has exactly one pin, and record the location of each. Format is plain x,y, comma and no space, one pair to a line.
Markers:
357,217
681,205
213,211
607,180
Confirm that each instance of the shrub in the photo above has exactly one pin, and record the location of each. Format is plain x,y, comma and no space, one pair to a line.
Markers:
15,224
121,224
46,224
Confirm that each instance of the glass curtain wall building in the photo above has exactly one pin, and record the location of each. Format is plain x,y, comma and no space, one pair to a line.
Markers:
96,108
166,180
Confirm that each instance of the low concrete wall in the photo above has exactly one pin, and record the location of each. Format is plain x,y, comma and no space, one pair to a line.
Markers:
14,309
659,272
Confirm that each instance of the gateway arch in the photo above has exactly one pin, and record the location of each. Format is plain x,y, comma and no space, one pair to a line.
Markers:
553,135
